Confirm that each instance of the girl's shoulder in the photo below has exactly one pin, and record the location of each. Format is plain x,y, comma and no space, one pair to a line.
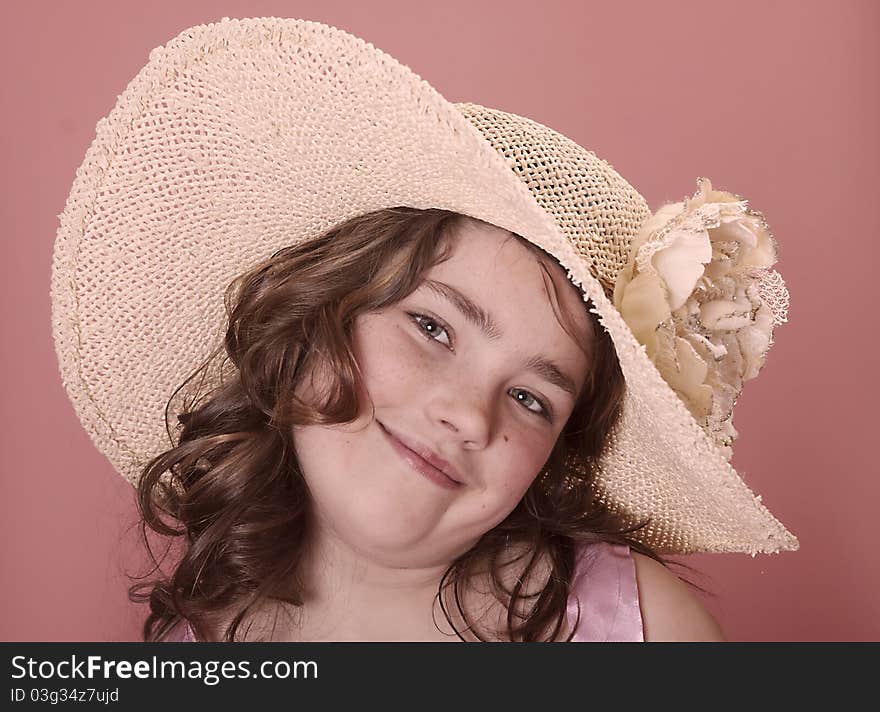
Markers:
626,596
670,610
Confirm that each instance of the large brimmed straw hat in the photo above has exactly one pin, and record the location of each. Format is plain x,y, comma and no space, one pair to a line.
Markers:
245,136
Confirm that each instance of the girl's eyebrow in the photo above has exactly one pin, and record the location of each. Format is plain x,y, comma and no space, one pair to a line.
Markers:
471,311
476,315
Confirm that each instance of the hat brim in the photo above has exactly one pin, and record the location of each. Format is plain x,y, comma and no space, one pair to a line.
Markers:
245,136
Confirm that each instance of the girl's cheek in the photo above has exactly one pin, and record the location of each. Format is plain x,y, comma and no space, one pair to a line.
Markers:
392,359
532,469
522,455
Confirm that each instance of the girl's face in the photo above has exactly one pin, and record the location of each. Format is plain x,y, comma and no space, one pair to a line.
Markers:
472,370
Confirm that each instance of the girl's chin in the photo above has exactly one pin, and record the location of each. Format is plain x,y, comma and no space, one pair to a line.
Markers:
396,548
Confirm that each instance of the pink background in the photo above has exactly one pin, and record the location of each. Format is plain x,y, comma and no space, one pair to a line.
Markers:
777,101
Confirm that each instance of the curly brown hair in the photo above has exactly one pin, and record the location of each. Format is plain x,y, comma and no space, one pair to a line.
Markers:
234,491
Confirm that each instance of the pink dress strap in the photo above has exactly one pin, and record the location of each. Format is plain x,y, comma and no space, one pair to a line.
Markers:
181,633
605,588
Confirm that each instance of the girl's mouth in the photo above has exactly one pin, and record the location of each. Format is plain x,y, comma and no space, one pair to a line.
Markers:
419,464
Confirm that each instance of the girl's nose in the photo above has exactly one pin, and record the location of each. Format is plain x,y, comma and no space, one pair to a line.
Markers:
467,416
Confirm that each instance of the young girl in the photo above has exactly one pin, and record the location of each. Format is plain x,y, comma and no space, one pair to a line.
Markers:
467,387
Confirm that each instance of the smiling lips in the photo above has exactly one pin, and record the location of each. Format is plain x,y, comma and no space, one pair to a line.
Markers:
419,461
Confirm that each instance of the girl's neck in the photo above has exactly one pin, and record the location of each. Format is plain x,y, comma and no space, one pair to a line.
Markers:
349,596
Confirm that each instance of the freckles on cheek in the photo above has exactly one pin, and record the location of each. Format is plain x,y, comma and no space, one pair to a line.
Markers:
392,361
412,360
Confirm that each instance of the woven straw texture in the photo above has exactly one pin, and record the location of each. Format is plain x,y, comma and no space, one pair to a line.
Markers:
245,136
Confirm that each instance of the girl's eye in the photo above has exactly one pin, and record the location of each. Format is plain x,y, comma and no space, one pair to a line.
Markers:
431,328
528,400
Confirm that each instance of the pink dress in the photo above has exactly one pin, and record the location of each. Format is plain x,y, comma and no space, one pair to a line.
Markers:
604,586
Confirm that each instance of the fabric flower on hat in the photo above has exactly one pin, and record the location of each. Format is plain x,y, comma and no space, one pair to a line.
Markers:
698,294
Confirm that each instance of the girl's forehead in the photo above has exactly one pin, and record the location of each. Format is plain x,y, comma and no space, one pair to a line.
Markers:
498,257
476,238
486,248
499,273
